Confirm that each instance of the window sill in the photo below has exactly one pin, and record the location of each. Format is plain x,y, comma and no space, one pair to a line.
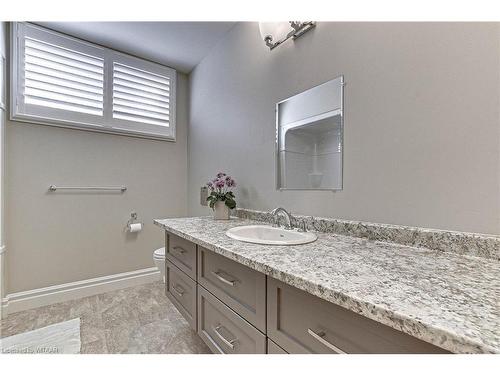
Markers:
90,128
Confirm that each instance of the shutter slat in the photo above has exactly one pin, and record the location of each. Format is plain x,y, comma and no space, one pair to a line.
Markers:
30,67
62,79
146,107
35,52
62,82
64,52
42,101
57,65
143,94
129,117
140,99
142,87
118,68
141,81
139,112
63,98
63,91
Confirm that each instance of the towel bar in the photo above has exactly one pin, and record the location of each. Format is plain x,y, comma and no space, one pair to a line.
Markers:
54,188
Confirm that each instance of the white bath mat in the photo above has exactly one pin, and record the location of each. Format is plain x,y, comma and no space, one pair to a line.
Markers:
60,338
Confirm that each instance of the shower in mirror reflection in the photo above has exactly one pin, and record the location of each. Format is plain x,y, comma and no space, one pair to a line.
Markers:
309,129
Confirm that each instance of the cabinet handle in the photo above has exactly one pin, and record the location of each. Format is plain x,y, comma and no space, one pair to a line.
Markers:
223,279
179,249
320,337
177,289
229,343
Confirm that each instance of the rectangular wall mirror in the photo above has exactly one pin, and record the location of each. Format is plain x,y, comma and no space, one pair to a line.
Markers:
309,138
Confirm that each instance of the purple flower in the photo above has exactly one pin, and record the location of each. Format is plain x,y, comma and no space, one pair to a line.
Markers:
222,180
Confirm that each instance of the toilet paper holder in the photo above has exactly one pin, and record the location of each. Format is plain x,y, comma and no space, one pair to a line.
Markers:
133,220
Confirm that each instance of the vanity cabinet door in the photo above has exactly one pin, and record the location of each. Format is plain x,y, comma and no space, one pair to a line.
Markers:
273,348
182,253
223,330
239,287
302,323
181,290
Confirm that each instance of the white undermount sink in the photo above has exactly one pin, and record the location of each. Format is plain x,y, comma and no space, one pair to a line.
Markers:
267,235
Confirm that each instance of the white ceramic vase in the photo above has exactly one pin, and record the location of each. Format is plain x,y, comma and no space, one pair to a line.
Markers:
221,211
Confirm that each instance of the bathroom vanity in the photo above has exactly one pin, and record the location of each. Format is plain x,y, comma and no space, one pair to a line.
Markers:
340,294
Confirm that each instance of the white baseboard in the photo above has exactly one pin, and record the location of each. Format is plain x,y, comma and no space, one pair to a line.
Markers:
31,299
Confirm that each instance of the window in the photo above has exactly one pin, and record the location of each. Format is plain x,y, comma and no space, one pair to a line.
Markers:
62,81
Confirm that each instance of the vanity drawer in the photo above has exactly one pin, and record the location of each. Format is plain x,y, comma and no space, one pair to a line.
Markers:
239,287
223,330
182,253
181,290
273,348
302,323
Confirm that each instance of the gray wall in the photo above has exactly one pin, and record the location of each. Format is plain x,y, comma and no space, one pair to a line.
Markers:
422,127
55,238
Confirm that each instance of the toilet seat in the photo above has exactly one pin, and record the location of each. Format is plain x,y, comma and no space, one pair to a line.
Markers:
159,253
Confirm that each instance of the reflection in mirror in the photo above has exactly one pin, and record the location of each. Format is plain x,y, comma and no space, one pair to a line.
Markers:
310,139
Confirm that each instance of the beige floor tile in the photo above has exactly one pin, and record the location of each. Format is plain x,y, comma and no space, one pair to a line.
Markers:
133,320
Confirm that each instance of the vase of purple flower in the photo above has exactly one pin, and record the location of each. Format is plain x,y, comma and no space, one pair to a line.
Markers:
221,198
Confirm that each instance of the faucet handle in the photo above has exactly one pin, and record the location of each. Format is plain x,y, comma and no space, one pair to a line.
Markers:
302,225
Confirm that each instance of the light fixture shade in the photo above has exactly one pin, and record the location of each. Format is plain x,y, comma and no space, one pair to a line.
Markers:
276,30
275,33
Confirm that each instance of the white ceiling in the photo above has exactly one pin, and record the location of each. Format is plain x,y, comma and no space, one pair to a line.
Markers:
180,45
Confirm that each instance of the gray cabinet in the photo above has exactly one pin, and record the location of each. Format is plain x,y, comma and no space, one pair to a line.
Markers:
223,330
273,348
182,253
181,290
302,323
239,287
238,310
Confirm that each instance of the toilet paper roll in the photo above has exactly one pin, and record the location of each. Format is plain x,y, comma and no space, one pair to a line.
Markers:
136,227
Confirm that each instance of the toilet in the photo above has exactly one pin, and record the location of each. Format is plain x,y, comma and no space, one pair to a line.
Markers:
159,259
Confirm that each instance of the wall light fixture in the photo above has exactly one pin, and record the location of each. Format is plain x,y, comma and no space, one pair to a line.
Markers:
275,33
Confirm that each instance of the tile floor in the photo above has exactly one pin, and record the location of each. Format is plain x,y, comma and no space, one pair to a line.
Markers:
133,320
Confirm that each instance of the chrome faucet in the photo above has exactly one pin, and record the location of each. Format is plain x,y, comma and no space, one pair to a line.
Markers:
276,215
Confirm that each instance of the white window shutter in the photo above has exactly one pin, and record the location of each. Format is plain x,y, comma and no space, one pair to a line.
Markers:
63,81
140,96
60,78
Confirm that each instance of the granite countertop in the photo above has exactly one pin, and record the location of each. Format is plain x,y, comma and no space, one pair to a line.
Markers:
449,300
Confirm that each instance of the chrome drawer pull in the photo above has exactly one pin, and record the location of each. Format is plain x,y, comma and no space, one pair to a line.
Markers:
177,289
179,249
223,279
229,343
319,336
